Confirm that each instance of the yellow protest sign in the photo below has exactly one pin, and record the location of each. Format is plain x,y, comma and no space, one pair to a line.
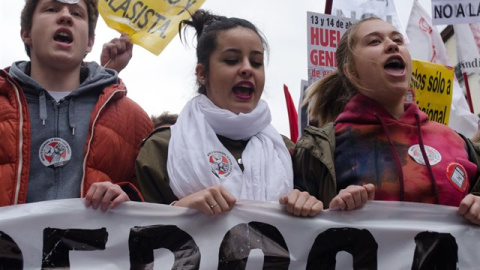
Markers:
433,87
151,24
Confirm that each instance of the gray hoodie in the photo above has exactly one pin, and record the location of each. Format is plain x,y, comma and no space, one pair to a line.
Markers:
69,119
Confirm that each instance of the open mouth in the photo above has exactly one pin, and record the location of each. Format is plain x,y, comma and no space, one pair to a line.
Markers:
395,66
63,37
243,90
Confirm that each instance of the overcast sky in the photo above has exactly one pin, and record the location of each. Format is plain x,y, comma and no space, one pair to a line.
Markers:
166,82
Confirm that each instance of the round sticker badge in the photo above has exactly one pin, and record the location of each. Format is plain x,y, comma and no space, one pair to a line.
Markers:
220,164
433,155
55,152
457,175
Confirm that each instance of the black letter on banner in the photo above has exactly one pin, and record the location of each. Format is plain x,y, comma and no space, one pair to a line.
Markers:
359,243
143,240
435,251
58,242
242,238
10,254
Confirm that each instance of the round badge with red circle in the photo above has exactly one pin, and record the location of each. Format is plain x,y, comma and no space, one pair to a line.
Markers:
434,157
55,152
220,164
457,175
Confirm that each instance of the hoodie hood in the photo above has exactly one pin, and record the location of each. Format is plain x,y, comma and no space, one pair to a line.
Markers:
92,78
366,111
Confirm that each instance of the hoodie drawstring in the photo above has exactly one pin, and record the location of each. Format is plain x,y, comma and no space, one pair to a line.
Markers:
42,106
43,111
395,156
71,115
397,159
425,158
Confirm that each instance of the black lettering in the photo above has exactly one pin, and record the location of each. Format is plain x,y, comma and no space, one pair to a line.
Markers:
437,12
123,6
144,240
241,239
470,10
11,257
447,11
134,11
439,116
443,116
140,14
432,114
418,80
58,242
162,28
359,243
435,251
145,22
460,11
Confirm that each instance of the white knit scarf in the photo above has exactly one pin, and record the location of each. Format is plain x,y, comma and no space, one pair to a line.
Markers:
198,160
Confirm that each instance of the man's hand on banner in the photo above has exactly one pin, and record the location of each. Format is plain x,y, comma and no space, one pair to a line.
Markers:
469,208
117,53
105,194
353,197
301,204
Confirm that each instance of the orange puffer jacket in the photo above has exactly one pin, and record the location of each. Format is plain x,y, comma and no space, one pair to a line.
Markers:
117,127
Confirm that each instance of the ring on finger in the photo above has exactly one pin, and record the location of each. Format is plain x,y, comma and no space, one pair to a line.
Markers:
213,205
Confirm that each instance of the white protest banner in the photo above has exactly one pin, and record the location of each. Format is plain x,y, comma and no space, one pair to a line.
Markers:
467,50
65,234
426,44
359,9
151,24
455,11
324,33
467,39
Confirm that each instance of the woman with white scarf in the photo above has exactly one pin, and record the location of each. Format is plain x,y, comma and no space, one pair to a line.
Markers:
223,146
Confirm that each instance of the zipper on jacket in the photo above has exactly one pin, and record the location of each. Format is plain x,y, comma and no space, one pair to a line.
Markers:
20,143
82,184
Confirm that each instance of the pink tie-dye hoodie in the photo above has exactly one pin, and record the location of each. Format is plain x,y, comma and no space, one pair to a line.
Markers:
374,147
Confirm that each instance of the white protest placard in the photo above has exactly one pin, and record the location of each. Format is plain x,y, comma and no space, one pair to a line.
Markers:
323,37
455,11
468,52
64,234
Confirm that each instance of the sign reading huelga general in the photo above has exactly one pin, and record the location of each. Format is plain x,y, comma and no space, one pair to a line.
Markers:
64,234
